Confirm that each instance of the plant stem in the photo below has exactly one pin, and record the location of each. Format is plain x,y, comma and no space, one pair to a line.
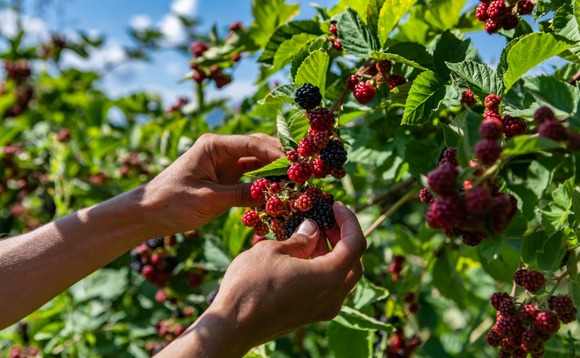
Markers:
403,200
200,97
514,286
384,196
558,281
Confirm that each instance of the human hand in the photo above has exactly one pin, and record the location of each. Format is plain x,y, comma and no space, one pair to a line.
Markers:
204,182
274,288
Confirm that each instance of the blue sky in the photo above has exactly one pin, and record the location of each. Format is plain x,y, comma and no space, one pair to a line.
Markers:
114,17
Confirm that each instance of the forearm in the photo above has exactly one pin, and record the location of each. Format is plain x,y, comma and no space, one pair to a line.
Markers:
37,266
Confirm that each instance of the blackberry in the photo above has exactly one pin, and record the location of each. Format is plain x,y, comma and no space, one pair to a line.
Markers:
531,340
321,119
569,317
425,196
481,11
508,344
384,67
553,129
492,338
453,232
198,48
259,188
307,148
543,114
528,312
261,229
155,243
338,173
479,200
250,218
491,26
502,212
292,155
314,193
322,213
491,129
352,81
274,206
472,238
491,114
497,298
532,281
513,126
487,151
320,139
492,101
308,96
291,225
507,307
573,142
333,29
364,92
334,155
319,170
299,172
547,322
395,80
509,326
450,156
303,203
467,97
561,304
525,7
442,180
447,211
510,21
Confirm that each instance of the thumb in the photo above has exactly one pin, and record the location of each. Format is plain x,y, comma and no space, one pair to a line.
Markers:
303,242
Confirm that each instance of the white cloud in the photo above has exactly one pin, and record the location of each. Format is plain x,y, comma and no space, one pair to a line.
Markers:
173,30
140,22
184,7
36,28
235,91
111,54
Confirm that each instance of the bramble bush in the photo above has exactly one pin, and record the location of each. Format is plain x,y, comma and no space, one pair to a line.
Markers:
463,176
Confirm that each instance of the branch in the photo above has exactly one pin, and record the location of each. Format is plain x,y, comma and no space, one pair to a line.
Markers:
407,197
384,196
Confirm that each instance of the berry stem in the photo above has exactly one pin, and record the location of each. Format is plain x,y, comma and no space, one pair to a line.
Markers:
411,194
492,170
558,281
384,196
514,286
574,78
362,69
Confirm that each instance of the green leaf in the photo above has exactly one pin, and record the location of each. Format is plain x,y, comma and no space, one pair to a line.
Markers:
391,13
268,16
502,268
422,155
277,167
565,22
283,131
299,125
444,14
526,144
351,318
469,124
447,280
555,214
381,56
550,257
286,32
345,342
529,51
532,245
305,50
289,48
313,70
427,92
373,13
104,284
449,49
366,292
481,78
356,37
282,94
359,6
215,254
558,94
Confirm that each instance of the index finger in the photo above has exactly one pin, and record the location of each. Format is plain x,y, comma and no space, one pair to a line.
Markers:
261,146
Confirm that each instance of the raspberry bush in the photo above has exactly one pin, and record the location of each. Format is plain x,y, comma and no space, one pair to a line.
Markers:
464,175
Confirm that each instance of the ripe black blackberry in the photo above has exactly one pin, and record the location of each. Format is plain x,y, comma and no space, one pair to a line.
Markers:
291,225
322,213
510,326
497,298
334,155
321,119
513,126
308,96
155,243
561,304
547,322
553,129
442,180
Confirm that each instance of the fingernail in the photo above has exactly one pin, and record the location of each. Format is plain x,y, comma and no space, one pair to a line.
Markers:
307,228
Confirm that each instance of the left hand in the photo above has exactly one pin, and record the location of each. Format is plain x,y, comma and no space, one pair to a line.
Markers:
204,183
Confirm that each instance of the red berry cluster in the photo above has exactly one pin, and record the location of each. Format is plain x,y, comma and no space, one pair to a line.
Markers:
153,260
396,267
214,72
168,330
551,127
498,14
18,72
400,346
23,352
468,98
52,49
290,199
464,210
333,38
380,73
532,281
177,106
133,165
522,328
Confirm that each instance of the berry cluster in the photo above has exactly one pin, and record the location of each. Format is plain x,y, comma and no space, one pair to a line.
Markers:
333,38
132,165
23,352
18,72
177,106
53,49
214,72
498,14
153,260
550,127
380,73
396,267
464,210
521,328
290,199
400,346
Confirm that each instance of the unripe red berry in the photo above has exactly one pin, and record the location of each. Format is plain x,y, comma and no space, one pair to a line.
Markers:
307,148
553,129
487,151
446,211
261,230
509,326
569,317
320,119
395,80
442,180
528,312
319,170
491,26
333,29
259,189
543,114
468,98
425,196
250,218
525,7
492,338
275,206
320,139
303,203
299,172
481,11
352,81
561,304
497,298
384,67
479,200
547,322
492,101
292,155
491,129
491,114
338,173
364,92
513,126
